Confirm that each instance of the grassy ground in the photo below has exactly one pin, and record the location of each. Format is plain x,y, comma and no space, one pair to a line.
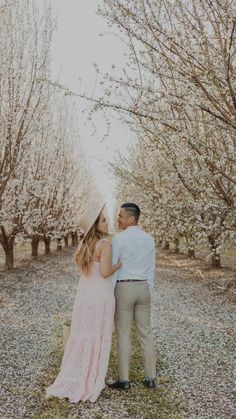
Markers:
139,402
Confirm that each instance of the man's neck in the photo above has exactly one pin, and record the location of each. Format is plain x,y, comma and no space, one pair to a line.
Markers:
133,225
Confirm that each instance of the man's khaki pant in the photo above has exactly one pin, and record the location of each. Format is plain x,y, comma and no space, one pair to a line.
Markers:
133,303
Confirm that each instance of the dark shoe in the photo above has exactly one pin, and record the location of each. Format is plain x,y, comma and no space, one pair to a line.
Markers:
118,384
149,383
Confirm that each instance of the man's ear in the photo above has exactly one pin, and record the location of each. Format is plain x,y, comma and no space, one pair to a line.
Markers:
133,218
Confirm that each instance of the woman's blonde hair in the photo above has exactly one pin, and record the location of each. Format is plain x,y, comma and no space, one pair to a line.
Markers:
86,249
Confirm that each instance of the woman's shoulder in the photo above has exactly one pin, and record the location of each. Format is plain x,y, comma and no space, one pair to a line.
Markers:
105,240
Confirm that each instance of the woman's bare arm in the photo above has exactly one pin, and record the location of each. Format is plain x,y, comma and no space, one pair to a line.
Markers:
106,267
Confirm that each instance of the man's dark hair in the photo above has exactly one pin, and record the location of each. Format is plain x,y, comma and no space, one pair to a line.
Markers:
133,209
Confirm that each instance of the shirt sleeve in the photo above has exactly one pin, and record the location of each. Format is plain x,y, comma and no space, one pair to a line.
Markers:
152,267
115,257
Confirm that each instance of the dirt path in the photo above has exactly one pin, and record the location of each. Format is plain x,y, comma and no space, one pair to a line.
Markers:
193,333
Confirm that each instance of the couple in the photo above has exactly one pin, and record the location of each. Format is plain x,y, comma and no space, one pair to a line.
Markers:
128,265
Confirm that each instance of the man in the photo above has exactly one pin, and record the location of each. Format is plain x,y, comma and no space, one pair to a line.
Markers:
136,250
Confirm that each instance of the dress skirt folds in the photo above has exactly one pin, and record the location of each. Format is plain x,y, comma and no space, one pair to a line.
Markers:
86,356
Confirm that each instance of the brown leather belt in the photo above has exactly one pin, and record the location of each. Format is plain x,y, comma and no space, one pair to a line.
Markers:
131,280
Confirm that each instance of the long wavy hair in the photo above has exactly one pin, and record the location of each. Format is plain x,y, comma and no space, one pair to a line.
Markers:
86,249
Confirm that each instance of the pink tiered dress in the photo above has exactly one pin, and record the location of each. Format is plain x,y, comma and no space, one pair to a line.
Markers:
86,356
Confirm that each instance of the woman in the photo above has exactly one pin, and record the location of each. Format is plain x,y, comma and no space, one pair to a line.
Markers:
85,360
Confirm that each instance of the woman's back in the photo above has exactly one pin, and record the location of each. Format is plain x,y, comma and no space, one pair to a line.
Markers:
94,285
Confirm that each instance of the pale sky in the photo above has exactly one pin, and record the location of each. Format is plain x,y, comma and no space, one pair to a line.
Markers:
76,47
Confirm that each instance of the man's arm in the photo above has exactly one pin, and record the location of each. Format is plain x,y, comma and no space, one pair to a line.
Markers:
115,257
152,267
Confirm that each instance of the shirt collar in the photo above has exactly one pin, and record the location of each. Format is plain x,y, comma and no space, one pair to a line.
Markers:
132,227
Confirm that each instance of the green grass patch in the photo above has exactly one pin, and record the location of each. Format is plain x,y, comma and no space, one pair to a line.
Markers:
139,402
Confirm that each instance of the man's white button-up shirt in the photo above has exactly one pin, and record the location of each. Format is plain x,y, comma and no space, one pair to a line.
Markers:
136,251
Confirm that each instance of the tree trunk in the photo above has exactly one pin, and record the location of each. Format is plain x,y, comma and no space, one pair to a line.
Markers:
176,245
215,261
9,257
8,246
215,257
167,245
76,238
66,240
34,246
59,243
47,241
191,253
73,237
